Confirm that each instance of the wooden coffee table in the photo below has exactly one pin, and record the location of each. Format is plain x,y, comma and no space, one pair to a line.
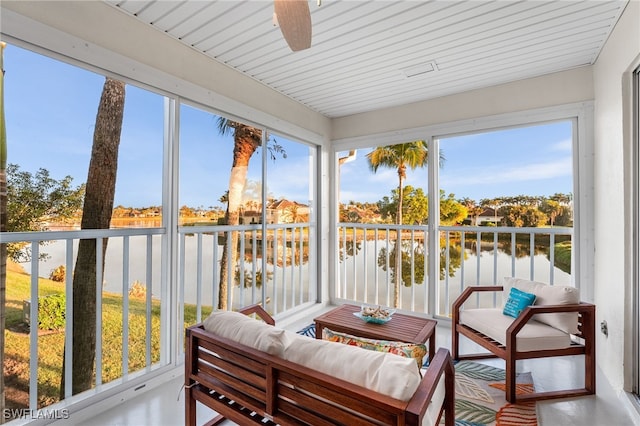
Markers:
401,328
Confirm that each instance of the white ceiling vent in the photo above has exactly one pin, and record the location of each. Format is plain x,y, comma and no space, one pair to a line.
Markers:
420,69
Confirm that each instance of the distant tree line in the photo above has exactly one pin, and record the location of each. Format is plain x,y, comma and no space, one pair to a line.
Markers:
513,211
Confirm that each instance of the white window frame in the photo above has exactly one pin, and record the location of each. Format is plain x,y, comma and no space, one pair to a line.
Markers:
582,115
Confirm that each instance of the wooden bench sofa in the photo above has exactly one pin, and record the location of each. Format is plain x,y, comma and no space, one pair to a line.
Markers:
566,327
238,376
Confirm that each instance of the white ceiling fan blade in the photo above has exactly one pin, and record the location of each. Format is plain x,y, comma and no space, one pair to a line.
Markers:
294,20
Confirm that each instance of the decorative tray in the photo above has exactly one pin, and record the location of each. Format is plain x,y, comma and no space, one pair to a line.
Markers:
375,314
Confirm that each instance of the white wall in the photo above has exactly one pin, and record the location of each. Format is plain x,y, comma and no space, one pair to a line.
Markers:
550,90
612,295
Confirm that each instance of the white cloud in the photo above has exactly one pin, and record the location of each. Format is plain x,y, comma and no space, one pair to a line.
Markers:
562,146
510,173
360,196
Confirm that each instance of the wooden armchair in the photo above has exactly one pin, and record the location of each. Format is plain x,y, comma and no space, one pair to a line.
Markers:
506,346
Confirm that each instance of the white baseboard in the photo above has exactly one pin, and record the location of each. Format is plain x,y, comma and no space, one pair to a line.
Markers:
631,403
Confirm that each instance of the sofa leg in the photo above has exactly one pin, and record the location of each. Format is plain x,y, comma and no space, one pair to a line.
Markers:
190,407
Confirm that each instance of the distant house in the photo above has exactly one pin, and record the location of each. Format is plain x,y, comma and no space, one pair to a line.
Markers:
281,211
285,211
250,217
355,214
487,215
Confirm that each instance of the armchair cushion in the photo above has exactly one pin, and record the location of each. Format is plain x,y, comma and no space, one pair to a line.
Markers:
549,295
534,336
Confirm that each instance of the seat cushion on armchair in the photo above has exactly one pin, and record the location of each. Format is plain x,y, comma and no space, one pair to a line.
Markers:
534,335
549,295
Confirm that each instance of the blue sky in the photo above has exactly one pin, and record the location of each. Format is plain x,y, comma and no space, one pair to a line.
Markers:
51,108
520,161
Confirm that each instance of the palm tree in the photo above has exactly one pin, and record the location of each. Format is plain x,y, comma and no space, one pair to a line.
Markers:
96,214
410,154
473,209
552,208
246,140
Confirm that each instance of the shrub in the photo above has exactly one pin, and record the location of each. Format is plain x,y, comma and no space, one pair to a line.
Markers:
58,274
137,289
51,312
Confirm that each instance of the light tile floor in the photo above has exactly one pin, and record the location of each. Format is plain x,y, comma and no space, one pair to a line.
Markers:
165,405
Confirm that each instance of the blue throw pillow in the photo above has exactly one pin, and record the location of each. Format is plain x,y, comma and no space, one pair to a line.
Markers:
517,301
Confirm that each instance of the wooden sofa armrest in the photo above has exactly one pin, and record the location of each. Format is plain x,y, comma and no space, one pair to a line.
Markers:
441,364
259,311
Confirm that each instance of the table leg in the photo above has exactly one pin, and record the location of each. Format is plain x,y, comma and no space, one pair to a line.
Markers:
432,345
319,328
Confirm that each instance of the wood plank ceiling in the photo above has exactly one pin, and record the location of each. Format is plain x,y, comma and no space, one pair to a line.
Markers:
365,53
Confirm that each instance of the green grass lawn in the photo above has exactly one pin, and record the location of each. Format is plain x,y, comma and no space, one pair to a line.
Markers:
51,344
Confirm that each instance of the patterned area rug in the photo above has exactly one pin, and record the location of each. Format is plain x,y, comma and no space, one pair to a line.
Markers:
480,397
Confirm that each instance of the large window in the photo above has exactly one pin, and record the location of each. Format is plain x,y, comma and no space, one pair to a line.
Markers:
515,186
257,190
498,200
54,120
242,196
382,237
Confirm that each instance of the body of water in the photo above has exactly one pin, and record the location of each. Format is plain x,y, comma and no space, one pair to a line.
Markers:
284,289
360,277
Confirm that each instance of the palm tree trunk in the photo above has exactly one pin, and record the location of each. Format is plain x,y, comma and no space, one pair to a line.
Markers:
230,255
246,141
96,214
398,263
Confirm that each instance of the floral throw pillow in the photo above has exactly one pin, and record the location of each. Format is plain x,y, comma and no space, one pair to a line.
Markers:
407,350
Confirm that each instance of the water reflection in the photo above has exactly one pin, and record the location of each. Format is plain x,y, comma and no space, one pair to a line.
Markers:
367,269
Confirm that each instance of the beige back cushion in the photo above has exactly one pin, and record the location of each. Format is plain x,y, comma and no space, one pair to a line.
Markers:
246,330
548,295
386,373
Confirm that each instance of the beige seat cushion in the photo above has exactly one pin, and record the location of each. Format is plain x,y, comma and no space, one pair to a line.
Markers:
533,336
549,295
385,373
